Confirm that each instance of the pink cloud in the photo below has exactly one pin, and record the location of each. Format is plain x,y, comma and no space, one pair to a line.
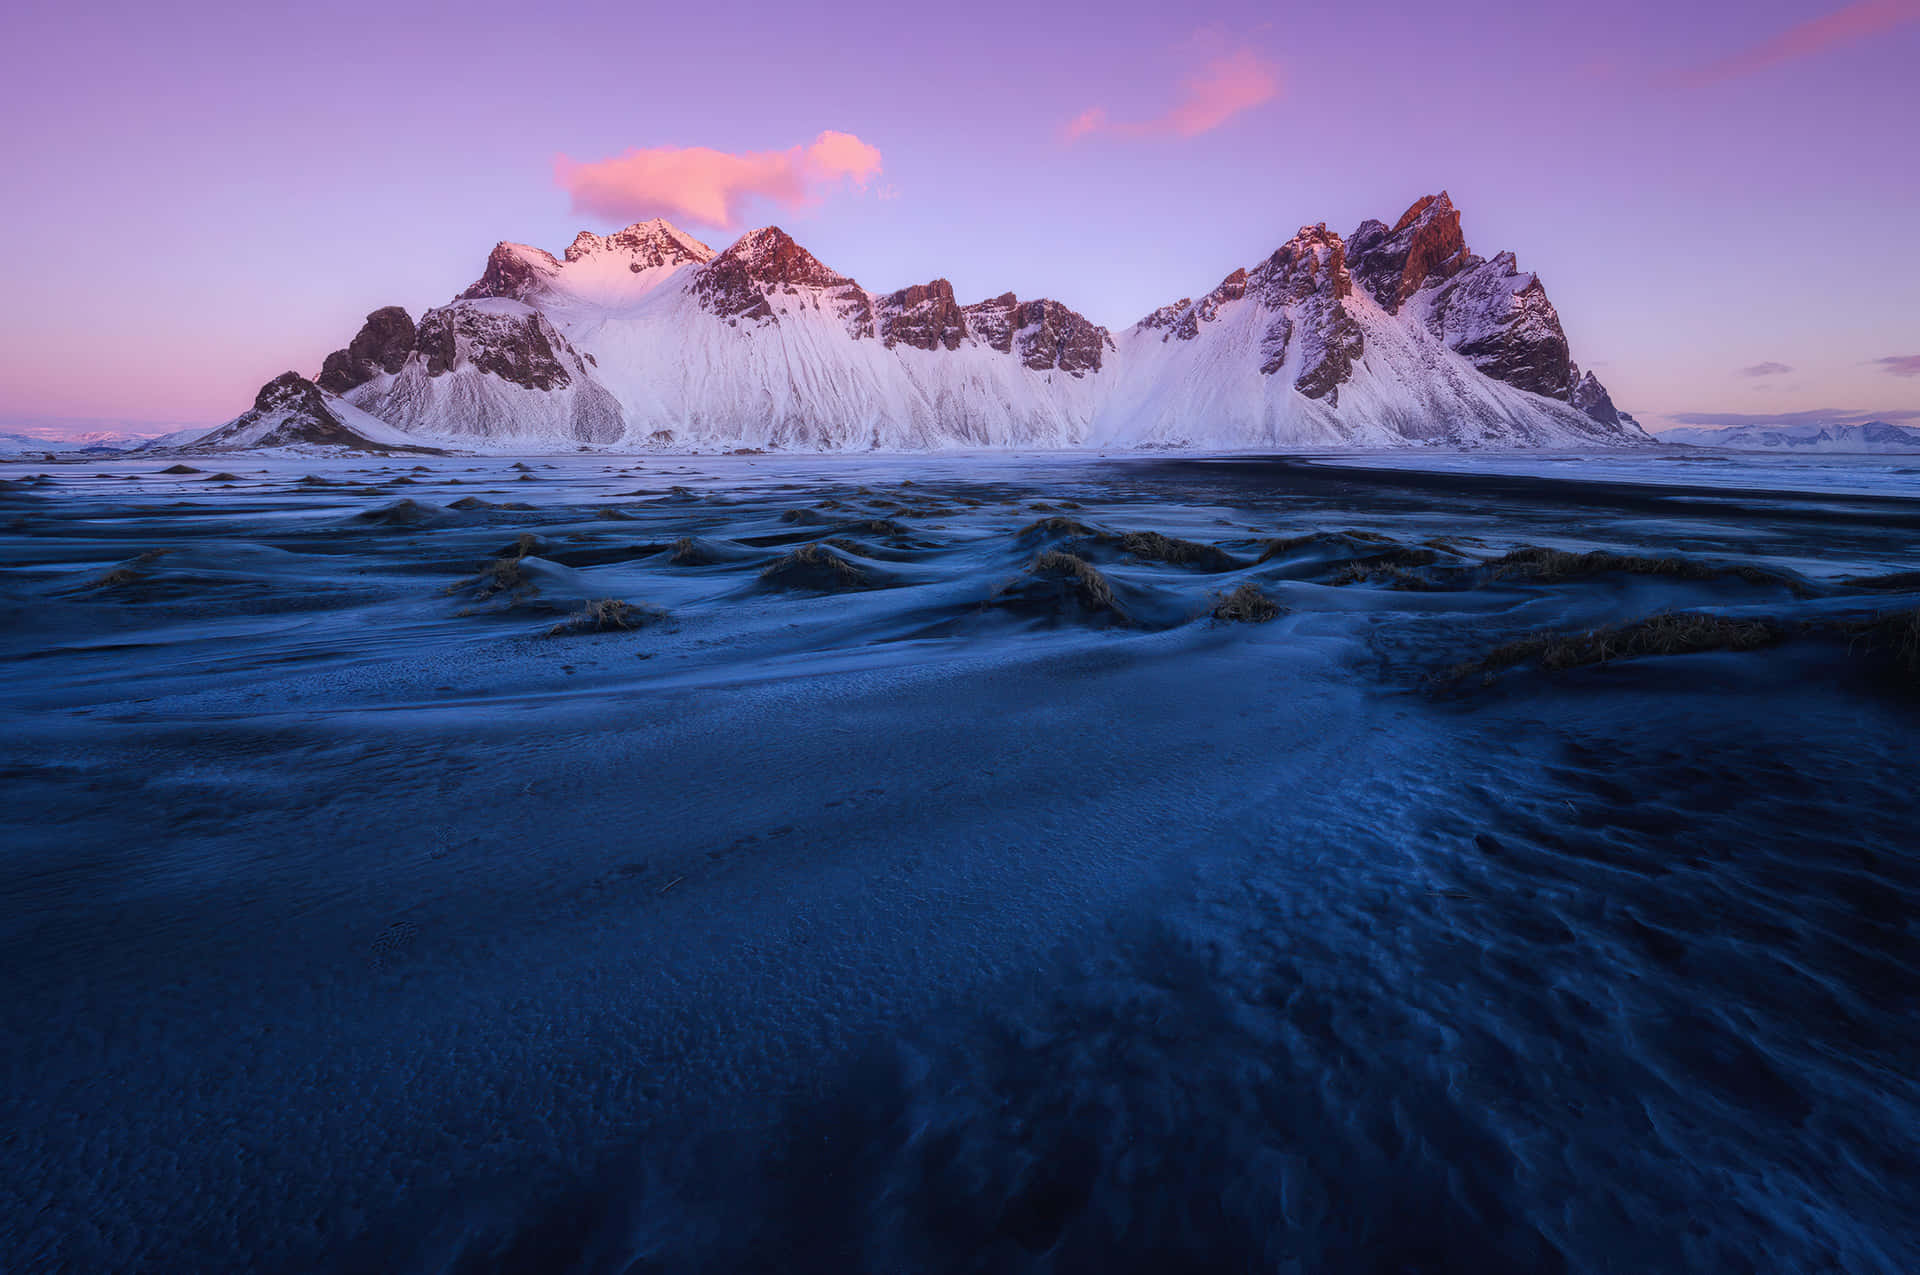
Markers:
710,187
1856,21
1220,90
1900,364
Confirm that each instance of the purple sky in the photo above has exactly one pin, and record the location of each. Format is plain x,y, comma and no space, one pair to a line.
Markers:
1721,196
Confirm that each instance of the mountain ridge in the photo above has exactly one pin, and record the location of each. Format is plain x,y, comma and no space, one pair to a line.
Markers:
649,338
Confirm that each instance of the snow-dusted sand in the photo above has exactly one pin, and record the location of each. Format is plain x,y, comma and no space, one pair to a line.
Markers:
950,924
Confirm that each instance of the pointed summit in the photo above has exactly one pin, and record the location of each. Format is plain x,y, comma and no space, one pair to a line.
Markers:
655,242
1425,244
770,255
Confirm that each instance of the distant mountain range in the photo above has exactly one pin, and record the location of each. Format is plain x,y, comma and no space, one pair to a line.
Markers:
648,338
1867,436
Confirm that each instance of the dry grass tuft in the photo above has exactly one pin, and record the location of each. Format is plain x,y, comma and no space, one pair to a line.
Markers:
688,552
180,469
1055,528
1668,633
817,568
132,571
1394,575
1534,562
885,527
1089,586
1284,545
1246,605
1154,547
607,615
504,574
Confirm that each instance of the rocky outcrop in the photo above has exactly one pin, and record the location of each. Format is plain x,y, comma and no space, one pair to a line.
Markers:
1501,319
514,271
519,347
291,411
382,345
1045,335
1426,243
1306,284
495,368
736,283
1591,397
924,316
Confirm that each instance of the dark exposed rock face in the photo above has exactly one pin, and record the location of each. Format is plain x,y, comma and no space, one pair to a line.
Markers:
292,392
1306,283
515,271
1591,397
290,410
1424,244
1502,320
991,321
516,347
381,345
1044,334
736,284
924,316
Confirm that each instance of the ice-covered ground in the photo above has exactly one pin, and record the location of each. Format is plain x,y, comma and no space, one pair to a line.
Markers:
957,920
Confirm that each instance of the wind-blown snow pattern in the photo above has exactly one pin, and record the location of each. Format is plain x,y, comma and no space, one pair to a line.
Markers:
648,338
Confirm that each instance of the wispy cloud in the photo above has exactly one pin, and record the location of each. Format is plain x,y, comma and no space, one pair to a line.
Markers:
1852,22
1766,369
1221,89
710,187
1900,365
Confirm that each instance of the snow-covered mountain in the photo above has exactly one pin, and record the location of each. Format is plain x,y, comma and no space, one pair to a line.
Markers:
650,338
1867,436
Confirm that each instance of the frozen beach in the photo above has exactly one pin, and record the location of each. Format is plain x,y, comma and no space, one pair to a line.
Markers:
875,891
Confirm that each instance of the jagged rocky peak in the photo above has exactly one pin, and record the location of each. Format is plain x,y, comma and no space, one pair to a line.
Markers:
646,244
1426,243
770,255
1045,334
381,345
1591,397
1500,318
736,284
516,271
1313,260
513,342
924,316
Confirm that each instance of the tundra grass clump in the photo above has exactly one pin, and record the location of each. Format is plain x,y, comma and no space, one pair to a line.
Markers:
817,568
1055,529
132,571
607,615
1151,546
1246,605
1668,633
1088,585
504,574
1535,562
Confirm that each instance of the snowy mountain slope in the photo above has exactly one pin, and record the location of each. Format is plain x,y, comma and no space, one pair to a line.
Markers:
649,338
1868,436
